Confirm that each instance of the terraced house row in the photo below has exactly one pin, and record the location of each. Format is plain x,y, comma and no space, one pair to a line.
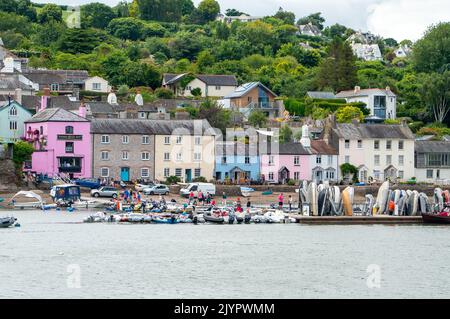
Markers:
69,143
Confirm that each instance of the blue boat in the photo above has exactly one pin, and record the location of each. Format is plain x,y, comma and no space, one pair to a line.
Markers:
165,221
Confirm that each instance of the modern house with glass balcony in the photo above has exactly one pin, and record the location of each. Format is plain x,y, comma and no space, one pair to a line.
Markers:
382,103
432,161
254,96
62,143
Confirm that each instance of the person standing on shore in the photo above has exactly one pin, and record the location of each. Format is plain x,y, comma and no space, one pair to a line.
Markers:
249,204
280,201
224,199
191,197
290,202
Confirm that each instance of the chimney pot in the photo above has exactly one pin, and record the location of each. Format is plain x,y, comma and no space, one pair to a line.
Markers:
357,89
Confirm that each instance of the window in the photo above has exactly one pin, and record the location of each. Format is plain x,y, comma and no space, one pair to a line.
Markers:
125,156
197,157
13,125
145,139
142,115
347,143
179,157
167,140
347,159
271,160
401,174
376,174
179,139
271,176
376,160
145,173
54,87
438,173
429,173
400,145
376,144
360,144
166,156
329,174
145,156
104,172
96,86
438,159
297,176
401,160
247,160
166,172
105,155
218,88
125,139
389,145
178,172
388,159
198,140
13,111
197,172
318,159
330,160
296,160
69,129
379,102
224,160
41,130
69,147
105,139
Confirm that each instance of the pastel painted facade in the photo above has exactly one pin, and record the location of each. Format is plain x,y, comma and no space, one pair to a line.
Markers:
97,84
12,118
324,160
62,143
290,161
209,85
379,151
432,161
382,103
237,162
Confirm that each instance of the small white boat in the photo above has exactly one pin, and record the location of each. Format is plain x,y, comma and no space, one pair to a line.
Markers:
247,191
6,222
26,201
275,216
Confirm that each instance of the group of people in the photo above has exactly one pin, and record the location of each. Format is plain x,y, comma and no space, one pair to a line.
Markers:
202,199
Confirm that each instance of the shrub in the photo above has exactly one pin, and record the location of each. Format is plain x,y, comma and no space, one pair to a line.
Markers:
291,182
173,180
391,122
200,179
163,93
22,152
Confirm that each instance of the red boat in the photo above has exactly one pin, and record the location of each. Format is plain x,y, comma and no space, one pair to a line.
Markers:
441,218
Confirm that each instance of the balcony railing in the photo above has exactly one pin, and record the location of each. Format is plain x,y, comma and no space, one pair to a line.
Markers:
70,169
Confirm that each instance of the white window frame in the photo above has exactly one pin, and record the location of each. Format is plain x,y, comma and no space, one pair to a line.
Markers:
178,172
125,156
96,86
101,172
103,157
297,176
166,140
197,157
197,172
388,159
105,139
376,160
145,156
296,160
13,125
179,140
167,156
145,139
401,160
13,111
179,157
198,140
142,172
166,172
125,139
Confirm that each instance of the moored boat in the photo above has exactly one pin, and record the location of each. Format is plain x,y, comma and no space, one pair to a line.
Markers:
442,218
6,222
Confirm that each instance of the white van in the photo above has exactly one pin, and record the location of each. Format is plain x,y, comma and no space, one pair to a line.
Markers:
205,188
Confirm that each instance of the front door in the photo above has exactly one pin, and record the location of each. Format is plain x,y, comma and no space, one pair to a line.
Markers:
125,174
188,176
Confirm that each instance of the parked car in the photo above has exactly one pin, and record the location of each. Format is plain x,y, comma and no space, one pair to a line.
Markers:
157,190
91,183
141,187
105,191
196,187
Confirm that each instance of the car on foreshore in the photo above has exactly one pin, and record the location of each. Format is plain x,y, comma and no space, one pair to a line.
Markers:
105,191
157,190
91,183
141,187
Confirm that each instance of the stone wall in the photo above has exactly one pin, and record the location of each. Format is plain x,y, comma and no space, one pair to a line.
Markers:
8,178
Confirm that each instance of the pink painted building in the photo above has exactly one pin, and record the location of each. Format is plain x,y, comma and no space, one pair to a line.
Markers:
62,142
290,161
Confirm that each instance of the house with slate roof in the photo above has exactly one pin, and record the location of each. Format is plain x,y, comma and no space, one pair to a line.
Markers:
378,151
210,85
132,149
62,142
432,161
382,103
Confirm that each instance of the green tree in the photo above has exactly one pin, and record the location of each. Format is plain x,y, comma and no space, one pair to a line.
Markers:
432,52
141,74
286,16
163,93
338,70
257,119
286,134
349,113
208,10
126,28
96,15
50,12
8,5
336,30
76,40
167,10
187,7
436,94
234,13
25,8
22,152
215,114
315,19
122,9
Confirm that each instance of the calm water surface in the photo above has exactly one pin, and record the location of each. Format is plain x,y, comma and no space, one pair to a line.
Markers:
41,259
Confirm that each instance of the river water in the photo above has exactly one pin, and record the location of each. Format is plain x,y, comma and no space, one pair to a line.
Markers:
53,255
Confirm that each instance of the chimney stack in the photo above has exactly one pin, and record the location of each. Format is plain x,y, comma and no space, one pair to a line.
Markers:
357,89
388,88
45,99
112,98
138,98
305,140
18,96
82,110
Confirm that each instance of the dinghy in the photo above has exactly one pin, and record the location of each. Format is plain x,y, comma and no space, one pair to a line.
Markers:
247,191
6,222
26,200
347,201
382,198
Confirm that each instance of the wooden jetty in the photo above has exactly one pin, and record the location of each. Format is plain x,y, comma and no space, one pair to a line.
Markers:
357,220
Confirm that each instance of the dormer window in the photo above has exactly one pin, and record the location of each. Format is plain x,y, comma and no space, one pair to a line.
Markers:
54,87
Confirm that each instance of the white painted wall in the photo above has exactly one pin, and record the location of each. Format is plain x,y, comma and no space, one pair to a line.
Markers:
104,85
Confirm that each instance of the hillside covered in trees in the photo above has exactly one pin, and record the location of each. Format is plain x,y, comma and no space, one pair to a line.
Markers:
134,43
